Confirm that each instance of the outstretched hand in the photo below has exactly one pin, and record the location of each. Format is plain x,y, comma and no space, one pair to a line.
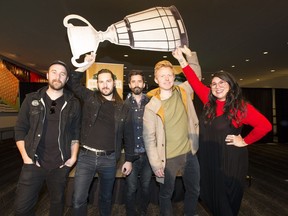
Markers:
178,54
186,51
90,59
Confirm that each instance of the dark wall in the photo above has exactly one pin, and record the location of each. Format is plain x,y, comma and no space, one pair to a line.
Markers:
281,97
27,87
261,99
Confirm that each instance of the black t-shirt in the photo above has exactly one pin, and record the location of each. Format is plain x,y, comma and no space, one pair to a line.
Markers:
102,133
48,150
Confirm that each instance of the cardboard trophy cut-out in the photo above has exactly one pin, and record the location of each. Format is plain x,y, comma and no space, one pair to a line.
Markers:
156,29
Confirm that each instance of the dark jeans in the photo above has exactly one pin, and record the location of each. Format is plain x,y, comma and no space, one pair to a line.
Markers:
87,166
141,168
30,184
189,167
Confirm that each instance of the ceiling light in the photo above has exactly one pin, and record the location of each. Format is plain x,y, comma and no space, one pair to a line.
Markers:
233,66
272,71
247,60
257,79
165,56
240,79
265,53
125,55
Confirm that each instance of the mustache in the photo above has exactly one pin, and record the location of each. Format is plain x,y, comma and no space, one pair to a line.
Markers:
56,81
136,88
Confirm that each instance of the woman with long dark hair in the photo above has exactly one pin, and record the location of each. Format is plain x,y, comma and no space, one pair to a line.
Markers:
223,155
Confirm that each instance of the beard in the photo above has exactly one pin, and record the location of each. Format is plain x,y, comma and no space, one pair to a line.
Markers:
106,91
56,85
137,90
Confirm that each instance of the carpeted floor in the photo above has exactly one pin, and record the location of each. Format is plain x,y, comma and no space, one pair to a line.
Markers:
267,195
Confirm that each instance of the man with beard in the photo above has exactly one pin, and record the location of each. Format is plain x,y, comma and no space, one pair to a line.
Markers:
137,100
47,133
105,123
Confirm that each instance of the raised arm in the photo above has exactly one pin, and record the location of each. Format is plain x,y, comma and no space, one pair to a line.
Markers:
193,62
74,82
193,76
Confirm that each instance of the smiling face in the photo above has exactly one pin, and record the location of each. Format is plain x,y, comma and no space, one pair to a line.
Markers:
57,76
219,88
165,77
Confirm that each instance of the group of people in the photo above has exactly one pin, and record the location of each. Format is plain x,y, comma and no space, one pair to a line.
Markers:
160,132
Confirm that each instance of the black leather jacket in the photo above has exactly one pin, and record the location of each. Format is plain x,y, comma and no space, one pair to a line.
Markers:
91,103
29,125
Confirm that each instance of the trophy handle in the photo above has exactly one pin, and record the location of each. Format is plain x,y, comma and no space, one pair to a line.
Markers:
83,39
76,64
74,16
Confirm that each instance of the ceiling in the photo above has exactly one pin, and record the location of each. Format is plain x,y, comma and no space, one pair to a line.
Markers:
227,35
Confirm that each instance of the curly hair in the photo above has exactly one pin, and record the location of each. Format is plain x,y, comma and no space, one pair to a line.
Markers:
235,106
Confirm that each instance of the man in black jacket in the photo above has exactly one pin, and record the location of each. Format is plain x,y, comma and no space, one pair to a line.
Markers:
105,123
47,135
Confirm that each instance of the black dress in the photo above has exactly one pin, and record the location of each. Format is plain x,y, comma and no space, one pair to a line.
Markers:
223,168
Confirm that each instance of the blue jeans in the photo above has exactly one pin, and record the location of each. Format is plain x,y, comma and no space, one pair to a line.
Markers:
141,168
30,184
188,165
87,166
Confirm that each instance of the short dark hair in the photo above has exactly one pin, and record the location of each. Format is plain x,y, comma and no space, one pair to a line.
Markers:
136,72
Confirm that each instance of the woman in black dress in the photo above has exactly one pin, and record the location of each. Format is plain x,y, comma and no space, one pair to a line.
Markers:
223,155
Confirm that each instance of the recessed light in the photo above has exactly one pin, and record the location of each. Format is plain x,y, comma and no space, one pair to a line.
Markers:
164,56
233,66
272,71
125,55
257,79
265,53
240,79
247,60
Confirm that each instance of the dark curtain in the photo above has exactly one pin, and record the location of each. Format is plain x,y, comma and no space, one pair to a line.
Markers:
281,96
261,99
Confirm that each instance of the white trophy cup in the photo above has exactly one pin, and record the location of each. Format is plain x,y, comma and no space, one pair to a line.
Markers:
155,29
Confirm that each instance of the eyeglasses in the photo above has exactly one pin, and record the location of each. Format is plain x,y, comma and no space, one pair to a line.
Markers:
221,84
52,107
